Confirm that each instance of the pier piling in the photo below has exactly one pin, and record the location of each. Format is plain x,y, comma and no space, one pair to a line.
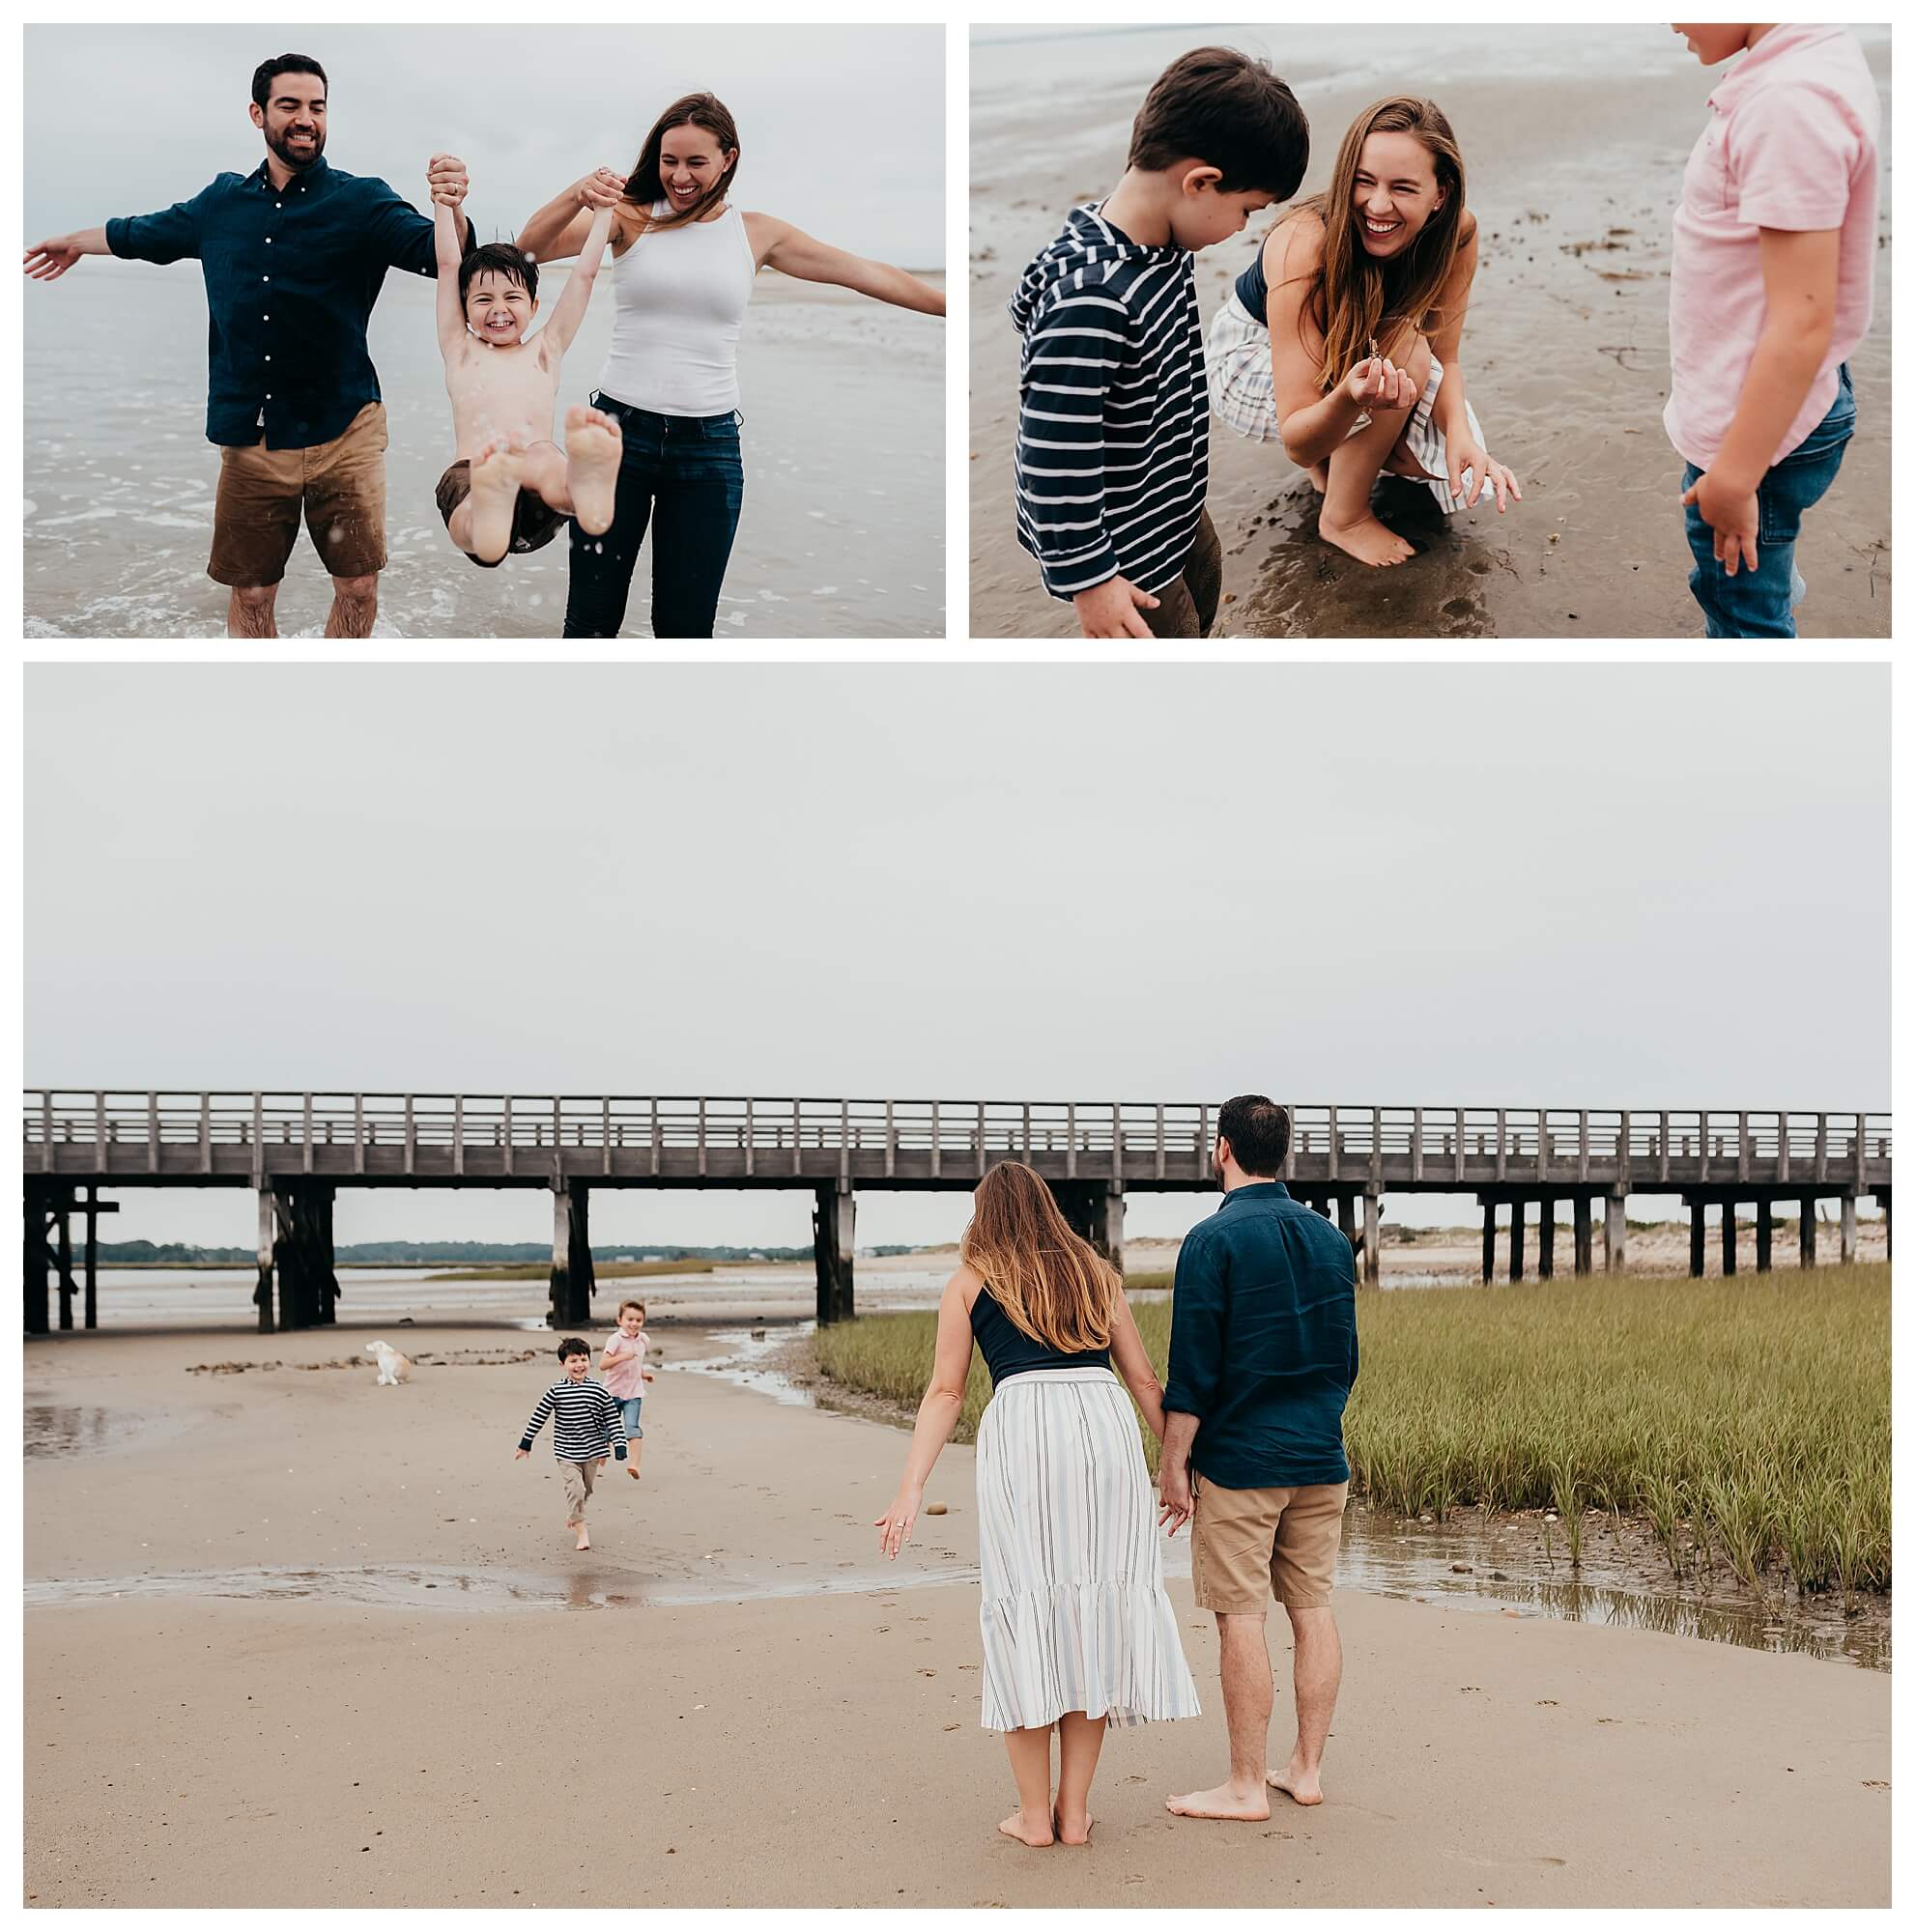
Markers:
1584,1236
572,1278
1805,1233
1546,1240
1729,1233
1516,1231
303,1253
834,1243
1764,1233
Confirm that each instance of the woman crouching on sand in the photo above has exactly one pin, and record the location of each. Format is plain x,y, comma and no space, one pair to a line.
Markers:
1077,1630
1344,336
683,259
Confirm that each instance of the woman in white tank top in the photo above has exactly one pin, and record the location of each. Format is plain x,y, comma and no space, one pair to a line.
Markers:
683,259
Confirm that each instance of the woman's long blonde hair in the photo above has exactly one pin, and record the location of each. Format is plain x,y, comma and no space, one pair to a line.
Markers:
1355,298
1053,1284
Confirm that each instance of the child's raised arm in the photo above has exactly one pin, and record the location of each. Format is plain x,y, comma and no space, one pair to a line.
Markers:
570,311
450,249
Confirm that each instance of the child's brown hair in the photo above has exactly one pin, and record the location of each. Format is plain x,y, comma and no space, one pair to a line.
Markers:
628,1302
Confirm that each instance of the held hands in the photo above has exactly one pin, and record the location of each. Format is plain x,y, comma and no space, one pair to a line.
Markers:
1377,384
1486,472
1109,609
601,189
893,1526
1174,1495
445,178
47,261
1734,515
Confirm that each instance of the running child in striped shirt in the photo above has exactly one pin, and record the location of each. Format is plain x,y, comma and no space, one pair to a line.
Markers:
586,1427
1113,436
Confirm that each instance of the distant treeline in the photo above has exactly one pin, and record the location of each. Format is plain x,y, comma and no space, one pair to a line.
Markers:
433,1254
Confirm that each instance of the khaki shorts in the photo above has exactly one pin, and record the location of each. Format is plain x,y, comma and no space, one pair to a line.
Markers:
1248,1544
339,486
578,1480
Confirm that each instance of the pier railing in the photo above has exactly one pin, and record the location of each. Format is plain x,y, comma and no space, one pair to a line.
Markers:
183,1136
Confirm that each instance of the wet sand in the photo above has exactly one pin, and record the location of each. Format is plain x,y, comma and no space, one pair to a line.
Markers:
1573,178
352,1628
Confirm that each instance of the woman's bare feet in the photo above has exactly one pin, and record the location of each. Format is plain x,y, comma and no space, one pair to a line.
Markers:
1076,1832
494,497
593,446
1033,1832
1299,1787
1224,1801
1367,540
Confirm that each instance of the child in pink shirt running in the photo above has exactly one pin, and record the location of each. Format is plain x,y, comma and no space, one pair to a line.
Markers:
623,1366
1770,288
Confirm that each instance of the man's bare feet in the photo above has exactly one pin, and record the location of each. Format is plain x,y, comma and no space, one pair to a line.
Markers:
1076,1832
1367,540
1296,1786
1224,1801
495,497
593,446
1035,1833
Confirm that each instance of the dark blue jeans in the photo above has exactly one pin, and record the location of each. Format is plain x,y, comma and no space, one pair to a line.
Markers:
1760,603
682,475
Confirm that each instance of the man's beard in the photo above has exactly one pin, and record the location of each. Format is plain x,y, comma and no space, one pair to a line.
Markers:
292,158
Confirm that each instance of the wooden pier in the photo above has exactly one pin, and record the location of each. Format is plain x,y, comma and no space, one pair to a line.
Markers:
297,1150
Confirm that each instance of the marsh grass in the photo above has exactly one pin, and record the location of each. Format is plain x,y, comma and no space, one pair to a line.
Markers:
1748,1417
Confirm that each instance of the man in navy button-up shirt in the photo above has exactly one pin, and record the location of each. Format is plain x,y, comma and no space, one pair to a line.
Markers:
1263,1353
294,256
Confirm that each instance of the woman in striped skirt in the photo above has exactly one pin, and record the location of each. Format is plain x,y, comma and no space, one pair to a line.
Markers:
1077,1630
1344,337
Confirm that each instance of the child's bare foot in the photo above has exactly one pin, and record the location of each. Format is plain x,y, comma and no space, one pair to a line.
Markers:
1299,1787
593,445
1225,1800
633,1470
1033,1832
584,1541
1367,540
1074,1831
495,497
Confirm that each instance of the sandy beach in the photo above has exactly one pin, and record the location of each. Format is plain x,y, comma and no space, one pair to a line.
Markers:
311,1642
1575,141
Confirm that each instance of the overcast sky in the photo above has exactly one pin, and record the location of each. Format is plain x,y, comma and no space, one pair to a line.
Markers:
840,128
1651,886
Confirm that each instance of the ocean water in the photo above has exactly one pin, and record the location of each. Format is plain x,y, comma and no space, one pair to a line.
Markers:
843,532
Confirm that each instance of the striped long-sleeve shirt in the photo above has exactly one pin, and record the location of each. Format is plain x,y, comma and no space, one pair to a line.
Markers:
586,1421
1113,430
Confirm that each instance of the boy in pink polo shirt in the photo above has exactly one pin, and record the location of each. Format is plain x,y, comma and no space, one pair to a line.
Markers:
623,1364
1770,290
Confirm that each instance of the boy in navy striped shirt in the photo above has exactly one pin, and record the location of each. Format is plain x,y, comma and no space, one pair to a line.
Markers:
586,1427
1113,437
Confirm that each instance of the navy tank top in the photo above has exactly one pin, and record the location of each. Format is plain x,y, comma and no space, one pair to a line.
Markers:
1253,289
1009,1351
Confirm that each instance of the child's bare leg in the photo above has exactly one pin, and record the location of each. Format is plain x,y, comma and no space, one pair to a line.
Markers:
594,444
1347,520
634,1449
495,497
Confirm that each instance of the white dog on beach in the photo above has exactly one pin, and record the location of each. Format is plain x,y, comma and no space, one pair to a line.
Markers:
394,1367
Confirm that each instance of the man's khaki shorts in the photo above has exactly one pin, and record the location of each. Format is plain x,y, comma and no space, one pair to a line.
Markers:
339,486
578,1480
1248,1544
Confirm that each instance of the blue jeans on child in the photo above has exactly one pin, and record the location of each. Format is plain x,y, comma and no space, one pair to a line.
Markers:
629,1407
1760,603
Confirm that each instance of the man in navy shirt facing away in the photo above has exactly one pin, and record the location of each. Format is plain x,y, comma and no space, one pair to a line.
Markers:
294,256
1263,1353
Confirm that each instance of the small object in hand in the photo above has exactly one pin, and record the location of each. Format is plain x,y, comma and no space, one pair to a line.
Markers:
1373,349
936,1509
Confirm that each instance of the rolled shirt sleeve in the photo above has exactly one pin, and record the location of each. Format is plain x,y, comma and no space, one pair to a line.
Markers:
399,234
1197,1301
172,234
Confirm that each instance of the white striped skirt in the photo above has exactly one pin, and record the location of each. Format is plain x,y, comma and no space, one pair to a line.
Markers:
1243,389
1074,1615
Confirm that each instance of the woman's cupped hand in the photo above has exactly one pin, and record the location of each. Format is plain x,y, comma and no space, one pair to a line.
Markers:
601,189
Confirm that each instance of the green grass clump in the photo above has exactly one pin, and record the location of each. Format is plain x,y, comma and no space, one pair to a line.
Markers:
1749,1417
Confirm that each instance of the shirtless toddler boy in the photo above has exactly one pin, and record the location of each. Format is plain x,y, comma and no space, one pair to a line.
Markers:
512,487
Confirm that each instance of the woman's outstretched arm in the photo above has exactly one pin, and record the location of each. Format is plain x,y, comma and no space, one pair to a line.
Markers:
776,244
938,1412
